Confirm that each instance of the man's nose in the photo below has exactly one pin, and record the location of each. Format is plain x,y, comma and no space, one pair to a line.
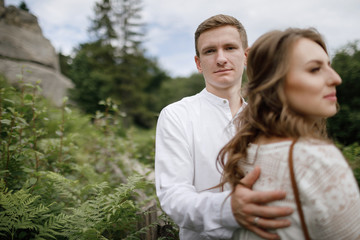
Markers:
221,58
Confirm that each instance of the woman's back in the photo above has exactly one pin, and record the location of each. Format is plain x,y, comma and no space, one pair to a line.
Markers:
328,190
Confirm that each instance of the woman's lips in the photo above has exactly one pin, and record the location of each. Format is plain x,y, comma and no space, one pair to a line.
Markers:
331,96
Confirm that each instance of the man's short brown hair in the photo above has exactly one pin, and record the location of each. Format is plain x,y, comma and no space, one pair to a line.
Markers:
219,21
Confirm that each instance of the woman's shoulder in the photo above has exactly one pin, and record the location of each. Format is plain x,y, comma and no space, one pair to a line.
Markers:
318,154
329,192
318,148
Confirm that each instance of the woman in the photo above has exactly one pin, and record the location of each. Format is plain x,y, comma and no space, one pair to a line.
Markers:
291,91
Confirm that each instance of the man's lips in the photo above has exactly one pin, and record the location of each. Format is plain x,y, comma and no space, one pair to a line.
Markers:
222,70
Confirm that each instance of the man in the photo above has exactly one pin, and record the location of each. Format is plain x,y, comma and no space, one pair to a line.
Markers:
189,136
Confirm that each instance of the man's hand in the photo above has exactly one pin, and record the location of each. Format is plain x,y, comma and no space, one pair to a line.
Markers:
249,209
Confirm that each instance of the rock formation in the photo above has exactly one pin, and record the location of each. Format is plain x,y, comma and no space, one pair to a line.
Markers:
25,51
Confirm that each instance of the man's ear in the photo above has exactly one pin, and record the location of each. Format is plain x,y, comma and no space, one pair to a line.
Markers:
246,55
198,64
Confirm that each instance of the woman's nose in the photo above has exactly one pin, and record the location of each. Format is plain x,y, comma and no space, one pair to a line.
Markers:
334,77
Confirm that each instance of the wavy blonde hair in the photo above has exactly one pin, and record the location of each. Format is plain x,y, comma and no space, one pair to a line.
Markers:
268,113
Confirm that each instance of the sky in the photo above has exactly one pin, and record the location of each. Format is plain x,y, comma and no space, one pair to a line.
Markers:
170,24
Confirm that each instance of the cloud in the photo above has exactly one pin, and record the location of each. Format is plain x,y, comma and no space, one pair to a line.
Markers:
172,23
334,19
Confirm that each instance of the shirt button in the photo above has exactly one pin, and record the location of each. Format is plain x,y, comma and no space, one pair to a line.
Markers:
224,101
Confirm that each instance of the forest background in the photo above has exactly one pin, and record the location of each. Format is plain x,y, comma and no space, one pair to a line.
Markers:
85,170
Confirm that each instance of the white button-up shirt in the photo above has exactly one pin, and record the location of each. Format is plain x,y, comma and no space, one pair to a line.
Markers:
189,136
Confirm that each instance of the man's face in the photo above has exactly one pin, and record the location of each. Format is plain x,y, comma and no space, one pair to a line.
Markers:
221,59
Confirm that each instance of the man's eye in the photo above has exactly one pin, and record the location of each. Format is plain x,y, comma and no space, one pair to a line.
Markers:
209,51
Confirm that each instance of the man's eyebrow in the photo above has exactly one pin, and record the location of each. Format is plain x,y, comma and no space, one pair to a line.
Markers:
232,44
226,44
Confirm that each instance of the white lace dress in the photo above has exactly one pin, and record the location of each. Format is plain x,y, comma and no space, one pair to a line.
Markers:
328,190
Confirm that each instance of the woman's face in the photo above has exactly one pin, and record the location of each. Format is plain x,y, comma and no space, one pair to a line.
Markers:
311,81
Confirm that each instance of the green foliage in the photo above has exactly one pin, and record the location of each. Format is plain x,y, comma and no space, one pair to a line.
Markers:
19,117
352,154
23,216
23,6
129,28
169,230
64,176
65,62
142,145
101,215
120,22
344,126
115,65
177,88
132,81
136,85
102,24
92,72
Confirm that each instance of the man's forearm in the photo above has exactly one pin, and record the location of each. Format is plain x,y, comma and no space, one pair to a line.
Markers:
207,213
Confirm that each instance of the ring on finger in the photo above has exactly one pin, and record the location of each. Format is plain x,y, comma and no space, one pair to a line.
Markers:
256,221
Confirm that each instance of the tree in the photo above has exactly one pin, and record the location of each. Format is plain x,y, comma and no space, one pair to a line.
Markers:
127,16
119,22
92,73
65,64
345,126
102,23
114,64
23,6
177,88
136,85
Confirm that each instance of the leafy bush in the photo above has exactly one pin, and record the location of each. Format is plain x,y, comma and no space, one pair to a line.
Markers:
344,125
102,214
352,154
66,175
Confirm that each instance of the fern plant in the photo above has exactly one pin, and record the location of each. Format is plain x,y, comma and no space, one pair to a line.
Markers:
22,215
64,177
101,216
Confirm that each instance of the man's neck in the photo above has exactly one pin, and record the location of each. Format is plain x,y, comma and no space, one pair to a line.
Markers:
233,96
235,102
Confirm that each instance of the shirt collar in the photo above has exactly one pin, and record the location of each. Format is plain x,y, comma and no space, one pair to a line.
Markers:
218,100
214,99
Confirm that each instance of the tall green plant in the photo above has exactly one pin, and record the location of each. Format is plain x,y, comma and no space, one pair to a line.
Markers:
22,216
59,172
102,215
352,154
18,118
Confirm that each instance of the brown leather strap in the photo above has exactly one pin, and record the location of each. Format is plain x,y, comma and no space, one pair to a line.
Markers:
296,192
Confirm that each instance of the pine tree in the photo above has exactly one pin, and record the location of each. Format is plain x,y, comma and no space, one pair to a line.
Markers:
102,23
114,64
118,22
129,27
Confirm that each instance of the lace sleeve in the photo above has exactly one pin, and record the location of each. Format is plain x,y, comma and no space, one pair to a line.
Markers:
329,192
